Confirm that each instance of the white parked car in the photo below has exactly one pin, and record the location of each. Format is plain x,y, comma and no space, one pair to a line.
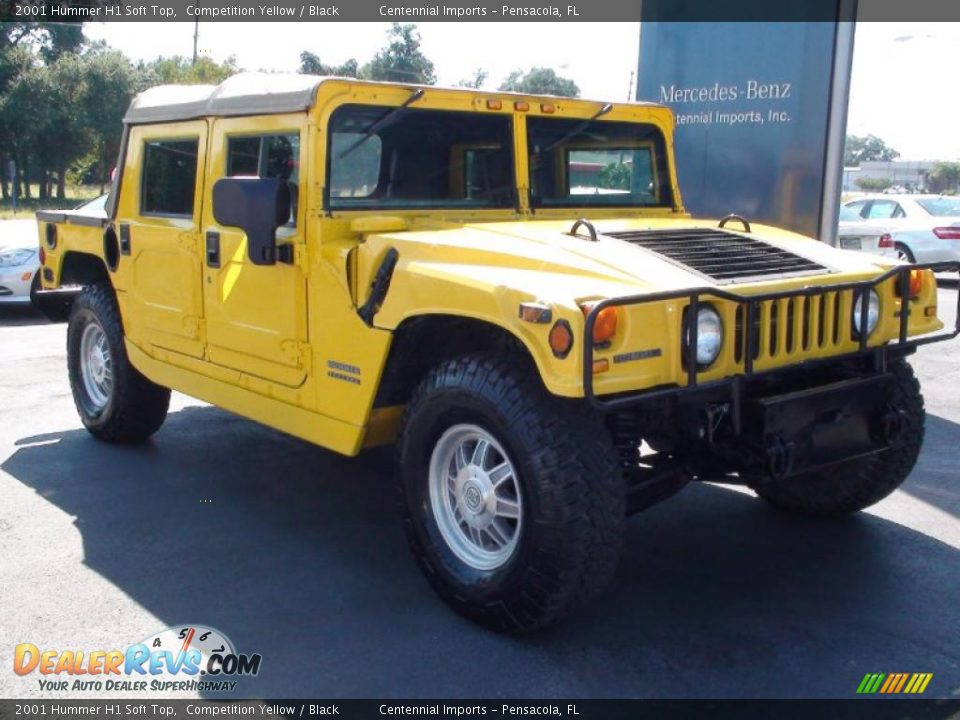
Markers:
925,228
19,261
854,234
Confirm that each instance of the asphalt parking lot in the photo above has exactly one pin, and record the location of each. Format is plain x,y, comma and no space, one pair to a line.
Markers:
298,554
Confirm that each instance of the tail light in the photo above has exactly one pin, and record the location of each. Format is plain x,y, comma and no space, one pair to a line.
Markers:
43,255
886,241
947,233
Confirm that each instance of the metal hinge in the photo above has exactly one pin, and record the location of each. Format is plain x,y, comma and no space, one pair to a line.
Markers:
298,353
194,327
189,241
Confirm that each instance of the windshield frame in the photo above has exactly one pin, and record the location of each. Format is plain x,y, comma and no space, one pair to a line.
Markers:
655,138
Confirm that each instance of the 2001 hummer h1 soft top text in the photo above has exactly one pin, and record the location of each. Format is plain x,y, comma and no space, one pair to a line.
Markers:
508,288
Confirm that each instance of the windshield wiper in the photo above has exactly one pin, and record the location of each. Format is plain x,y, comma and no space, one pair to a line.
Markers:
383,122
577,129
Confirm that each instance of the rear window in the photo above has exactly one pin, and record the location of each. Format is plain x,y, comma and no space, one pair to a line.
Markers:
579,163
941,207
169,177
419,158
849,215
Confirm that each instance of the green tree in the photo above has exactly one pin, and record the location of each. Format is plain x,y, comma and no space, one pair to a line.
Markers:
310,65
179,70
56,133
476,80
401,60
859,149
51,40
945,177
873,184
110,82
540,81
615,176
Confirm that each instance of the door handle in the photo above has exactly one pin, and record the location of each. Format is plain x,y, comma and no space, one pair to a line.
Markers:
213,249
124,238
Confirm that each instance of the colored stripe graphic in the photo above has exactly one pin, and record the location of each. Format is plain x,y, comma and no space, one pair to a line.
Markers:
894,683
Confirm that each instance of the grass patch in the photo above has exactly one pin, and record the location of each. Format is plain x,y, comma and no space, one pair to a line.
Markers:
26,207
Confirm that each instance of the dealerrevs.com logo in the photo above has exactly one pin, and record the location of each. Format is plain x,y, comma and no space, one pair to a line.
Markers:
192,658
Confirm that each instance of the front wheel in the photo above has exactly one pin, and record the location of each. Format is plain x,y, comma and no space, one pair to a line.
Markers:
115,402
513,500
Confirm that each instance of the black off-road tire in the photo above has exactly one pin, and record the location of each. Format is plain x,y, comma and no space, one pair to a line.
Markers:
573,493
136,407
850,486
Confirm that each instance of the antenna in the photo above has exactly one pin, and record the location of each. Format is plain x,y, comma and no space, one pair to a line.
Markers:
630,87
196,34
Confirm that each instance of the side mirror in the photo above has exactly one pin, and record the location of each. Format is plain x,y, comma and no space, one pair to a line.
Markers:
258,206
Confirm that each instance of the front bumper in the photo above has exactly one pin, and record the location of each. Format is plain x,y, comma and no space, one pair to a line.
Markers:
748,305
15,284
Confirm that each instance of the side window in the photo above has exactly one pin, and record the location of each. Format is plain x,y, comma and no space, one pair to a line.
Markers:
882,210
169,177
898,211
267,156
858,207
359,177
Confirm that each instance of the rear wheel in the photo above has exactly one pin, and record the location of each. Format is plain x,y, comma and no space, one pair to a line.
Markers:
115,402
904,254
513,500
856,484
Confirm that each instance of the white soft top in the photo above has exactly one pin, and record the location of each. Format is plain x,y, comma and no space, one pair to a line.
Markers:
253,93
243,94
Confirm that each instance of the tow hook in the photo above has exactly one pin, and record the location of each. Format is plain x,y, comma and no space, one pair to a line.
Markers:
779,455
889,425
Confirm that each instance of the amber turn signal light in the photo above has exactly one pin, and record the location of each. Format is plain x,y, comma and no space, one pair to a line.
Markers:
494,104
600,366
605,326
548,108
521,106
916,284
561,338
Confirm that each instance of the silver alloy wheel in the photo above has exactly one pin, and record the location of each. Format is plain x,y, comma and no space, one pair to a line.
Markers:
96,366
475,497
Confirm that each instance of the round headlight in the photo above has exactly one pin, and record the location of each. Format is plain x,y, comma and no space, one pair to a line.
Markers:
709,335
873,312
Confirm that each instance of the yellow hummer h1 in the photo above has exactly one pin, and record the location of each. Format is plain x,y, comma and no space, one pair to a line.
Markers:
505,286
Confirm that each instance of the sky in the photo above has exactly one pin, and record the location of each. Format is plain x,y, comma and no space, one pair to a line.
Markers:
903,86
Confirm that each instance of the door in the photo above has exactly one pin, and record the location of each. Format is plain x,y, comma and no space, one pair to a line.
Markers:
160,207
256,315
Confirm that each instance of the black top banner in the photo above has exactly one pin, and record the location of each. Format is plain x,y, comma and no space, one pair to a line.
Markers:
466,11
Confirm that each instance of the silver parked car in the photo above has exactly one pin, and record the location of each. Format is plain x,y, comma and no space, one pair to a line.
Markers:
854,234
925,228
19,261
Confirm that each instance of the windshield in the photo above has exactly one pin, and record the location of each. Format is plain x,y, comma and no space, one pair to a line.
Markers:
941,207
576,163
419,158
